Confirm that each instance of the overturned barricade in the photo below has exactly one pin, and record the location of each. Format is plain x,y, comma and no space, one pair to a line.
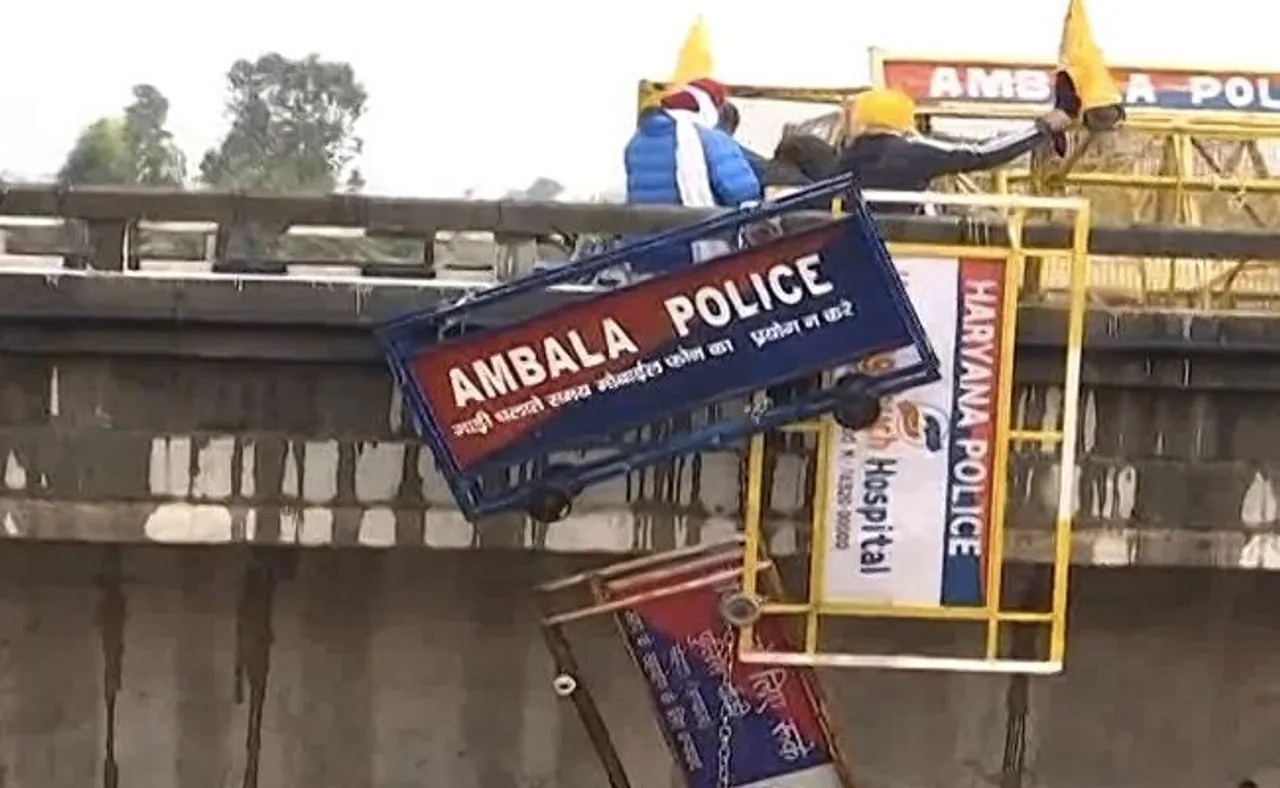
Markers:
909,524
496,383
727,724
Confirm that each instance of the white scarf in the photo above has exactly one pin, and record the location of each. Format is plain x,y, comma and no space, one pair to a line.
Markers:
692,179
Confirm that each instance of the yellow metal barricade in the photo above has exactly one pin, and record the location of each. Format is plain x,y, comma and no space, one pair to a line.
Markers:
1184,157
993,612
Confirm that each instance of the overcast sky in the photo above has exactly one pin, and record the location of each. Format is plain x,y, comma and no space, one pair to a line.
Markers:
491,93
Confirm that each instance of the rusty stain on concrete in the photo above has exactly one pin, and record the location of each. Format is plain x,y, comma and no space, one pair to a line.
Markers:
399,668
321,454
111,621
1030,588
253,650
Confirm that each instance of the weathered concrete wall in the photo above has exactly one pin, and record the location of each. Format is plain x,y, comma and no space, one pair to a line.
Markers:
130,449
151,667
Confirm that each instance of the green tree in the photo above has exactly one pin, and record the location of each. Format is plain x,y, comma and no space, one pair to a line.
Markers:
542,189
292,126
99,155
157,160
133,148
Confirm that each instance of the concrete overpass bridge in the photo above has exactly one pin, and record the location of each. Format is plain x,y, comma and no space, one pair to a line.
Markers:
163,435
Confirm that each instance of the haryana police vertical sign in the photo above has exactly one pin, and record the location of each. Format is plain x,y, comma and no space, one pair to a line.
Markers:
910,499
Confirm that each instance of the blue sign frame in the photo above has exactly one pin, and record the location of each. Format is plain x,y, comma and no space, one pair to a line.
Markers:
862,309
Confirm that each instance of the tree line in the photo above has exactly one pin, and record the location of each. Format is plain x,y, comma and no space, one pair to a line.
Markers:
292,128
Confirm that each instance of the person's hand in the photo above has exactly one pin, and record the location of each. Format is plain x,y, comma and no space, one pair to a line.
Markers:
1055,120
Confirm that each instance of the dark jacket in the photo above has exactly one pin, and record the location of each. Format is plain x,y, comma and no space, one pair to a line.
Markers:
888,162
801,160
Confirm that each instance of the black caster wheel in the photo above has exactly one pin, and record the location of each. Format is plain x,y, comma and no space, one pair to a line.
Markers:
739,609
550,505
858,412
858,408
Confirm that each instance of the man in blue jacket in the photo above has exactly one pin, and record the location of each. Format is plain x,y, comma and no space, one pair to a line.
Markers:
678,156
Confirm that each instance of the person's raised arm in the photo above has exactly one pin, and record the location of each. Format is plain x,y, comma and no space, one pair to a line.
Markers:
939,157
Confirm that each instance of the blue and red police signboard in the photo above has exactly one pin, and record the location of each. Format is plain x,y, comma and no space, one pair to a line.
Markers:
768,314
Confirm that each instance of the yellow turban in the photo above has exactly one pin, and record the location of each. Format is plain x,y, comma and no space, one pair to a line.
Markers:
884,107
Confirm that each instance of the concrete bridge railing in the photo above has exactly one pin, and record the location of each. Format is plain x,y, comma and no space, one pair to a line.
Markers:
121,229
144,407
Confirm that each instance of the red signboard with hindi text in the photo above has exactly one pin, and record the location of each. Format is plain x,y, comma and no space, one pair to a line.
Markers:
728,724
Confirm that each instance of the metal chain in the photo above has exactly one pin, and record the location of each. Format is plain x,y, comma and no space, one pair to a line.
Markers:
725,752
726,743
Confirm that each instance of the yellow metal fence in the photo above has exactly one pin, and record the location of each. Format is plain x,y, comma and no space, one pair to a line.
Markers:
995,614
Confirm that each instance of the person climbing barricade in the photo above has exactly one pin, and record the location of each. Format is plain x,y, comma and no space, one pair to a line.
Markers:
528,369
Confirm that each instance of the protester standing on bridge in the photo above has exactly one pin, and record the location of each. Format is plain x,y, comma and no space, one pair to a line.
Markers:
887,153
679,156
